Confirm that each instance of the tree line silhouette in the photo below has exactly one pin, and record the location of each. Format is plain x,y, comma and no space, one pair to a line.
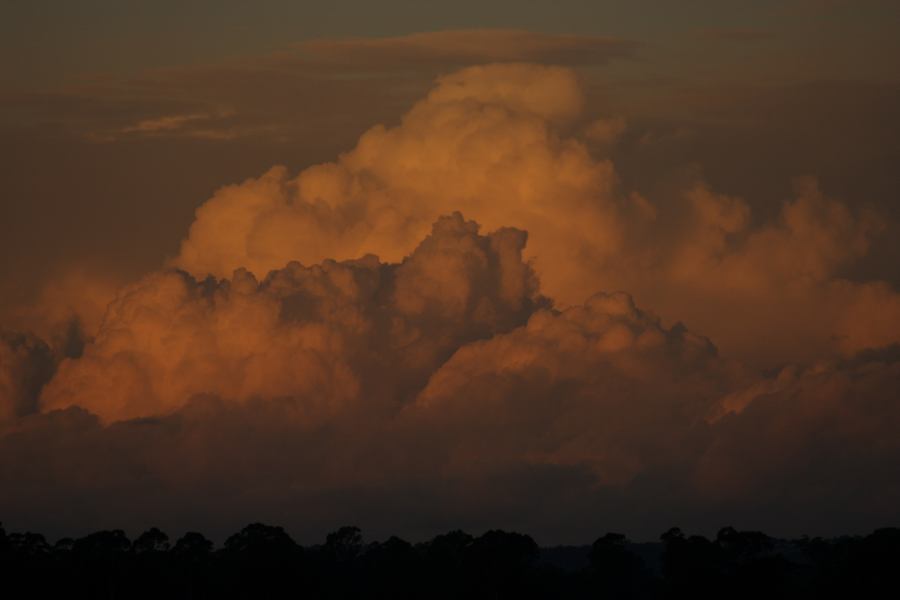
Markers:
262,561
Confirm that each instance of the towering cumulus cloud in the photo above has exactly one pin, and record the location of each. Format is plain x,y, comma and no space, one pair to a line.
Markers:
491,141
430,332
485,141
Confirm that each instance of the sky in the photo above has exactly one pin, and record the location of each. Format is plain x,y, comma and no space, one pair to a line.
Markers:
561,268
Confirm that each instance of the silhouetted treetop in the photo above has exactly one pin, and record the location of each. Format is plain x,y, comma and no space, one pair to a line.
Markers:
262,561
503,549
102,544
152,540
449,548
609,552
259,538
344,544
193,545
28,543
743,543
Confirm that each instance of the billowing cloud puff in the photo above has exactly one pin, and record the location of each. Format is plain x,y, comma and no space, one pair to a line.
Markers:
601,386
323,335
491,141
813,237
773,294
484,141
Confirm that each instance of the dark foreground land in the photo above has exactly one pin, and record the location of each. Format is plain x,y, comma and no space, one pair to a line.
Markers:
264,562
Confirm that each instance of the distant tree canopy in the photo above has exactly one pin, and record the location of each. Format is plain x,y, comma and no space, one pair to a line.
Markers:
152,540
262,561
192,545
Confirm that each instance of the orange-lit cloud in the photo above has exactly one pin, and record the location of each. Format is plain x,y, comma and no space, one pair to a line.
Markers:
601,386
484,141
492,141
343,343
331,337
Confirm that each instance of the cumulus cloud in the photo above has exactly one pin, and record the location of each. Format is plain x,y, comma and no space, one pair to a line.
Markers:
484,141
341,344
493,142
602,386
456,383
733,280
326,335
553,424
